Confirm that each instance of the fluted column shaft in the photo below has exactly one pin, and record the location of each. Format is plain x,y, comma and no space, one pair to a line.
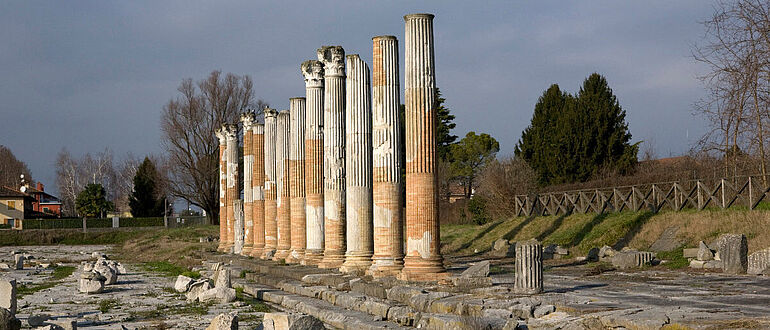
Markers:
222,137
313,73
334,155
297,179
282,183
258,191
271,226
423,259
358,167
529,267
388,256
232,182
248,119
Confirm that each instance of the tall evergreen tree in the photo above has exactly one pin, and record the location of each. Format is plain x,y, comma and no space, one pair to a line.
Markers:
444,137
572,138
144,200
92,201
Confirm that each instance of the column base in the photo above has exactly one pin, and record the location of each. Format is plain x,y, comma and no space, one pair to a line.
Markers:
332,259
385,267
281,254
257,252
246,251
312,257
357,263
417,269
295,256
267,254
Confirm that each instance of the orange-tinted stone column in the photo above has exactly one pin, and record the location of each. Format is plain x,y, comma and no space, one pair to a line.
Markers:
248,120
282,184
333,58
258,191
358,167
423,261
271,226
233,190
313,73
297,179
388,256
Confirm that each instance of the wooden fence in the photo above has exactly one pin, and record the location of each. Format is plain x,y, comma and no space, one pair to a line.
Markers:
744,191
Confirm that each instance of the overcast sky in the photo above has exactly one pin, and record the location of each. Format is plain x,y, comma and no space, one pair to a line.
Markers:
89,75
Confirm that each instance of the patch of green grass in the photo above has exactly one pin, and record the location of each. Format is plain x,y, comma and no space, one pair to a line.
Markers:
166,268
675,259
192,274
62,272
23,289
106,304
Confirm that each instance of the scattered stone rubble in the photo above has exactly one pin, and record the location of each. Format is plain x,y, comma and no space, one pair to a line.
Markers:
202,289
224,321
291,321
729,253
759,262
94,276
704,258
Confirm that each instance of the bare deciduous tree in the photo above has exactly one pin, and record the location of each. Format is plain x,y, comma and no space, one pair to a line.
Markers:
11,168
188,123
73,174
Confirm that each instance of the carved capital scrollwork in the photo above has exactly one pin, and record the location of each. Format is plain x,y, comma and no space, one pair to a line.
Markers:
333,58
313,71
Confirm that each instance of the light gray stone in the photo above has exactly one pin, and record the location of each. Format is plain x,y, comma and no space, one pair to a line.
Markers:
479,269
66,324
712,264
183,283
91,282
18,261
632,259
733,251
197,288
696,264
224,321
690,252
98,255
529,267
502,248
110,275
305,322
543,310
759,262
606,252
704,252
8,295
222,295
222,278
50,327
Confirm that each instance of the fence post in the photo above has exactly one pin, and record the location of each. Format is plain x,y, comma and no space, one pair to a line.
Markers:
700,195
722,183
751,196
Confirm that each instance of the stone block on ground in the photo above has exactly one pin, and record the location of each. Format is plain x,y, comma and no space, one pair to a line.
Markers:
224,321
606,252
37,320
183,283
543,310
632,259
667,241
690,252
197,288
8,320
593,255
222,295
98,255
471,282
502,248
110,275
479,269
712,264
759,262
704,252
733,251
18,260
66,324
8,295
222,278
91,282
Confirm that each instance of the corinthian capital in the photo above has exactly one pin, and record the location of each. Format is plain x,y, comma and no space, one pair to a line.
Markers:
333,58
221,135
231,131
313,71
248,119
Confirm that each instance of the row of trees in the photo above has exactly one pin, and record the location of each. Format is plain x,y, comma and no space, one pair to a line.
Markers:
12,168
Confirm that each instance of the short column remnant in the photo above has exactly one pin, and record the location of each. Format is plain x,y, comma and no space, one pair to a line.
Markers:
248,119
733,250
529,267
423,261
238,231
297,179
358,167
258,191
388,256
333,58
282,183
313,72
271,226
232,183
220,133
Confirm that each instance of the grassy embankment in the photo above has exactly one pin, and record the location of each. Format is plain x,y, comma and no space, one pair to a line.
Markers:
581,232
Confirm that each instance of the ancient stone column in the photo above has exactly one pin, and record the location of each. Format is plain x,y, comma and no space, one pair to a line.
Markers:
233,190
282,183
388,256
358,167
271,226
238,225
297,179
313,73
220,133
333,58
258,191
248,120
529,267
423,261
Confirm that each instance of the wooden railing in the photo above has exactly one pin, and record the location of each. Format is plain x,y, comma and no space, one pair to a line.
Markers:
744,191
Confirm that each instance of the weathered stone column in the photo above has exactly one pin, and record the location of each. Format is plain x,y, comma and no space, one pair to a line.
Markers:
271,226
238,226
248,120
232,183
313,73
297,179
282,183
423,261
388,256
220,133
358,167
529,267
333,58
258,191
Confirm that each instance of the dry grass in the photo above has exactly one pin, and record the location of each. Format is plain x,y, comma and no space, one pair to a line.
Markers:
176,246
